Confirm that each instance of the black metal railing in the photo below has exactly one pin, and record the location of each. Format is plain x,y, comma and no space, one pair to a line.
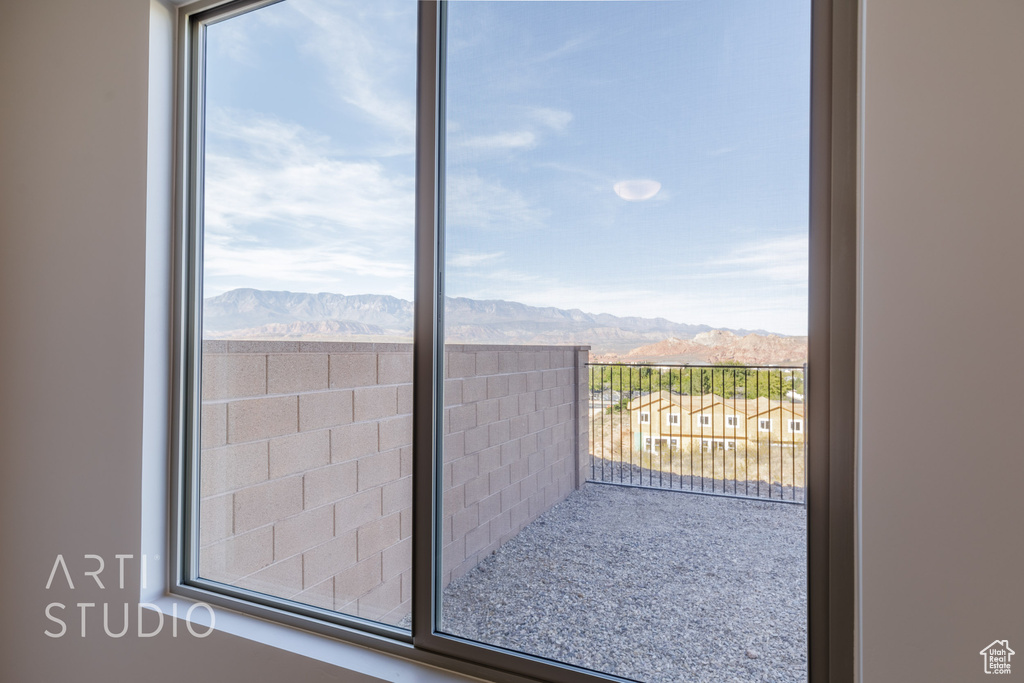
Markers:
728,430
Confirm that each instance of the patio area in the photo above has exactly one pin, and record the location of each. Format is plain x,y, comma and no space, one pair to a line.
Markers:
651,585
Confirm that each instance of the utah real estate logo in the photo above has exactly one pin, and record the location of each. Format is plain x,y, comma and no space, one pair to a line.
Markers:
997,657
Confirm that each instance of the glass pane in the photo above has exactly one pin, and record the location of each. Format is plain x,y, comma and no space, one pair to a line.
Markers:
625,319
308,227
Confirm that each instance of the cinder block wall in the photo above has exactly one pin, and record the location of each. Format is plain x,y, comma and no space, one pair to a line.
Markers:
307,459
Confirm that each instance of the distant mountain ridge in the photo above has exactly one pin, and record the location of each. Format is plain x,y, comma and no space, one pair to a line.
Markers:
718,346
261,314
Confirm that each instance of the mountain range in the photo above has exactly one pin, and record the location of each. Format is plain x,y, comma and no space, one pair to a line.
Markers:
261,314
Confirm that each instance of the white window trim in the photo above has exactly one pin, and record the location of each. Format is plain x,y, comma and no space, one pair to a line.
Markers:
705,420
761,424
798,424
645,418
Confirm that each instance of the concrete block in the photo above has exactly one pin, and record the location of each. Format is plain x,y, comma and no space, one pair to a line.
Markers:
353,441
453,554
233,375
490,459
508,407
498,433
462,418
405,399
488,412
510,451
486,363
465,521
477,439
452,392
238,556
233,467
394,368
517,383
459,364
497,386
357,510
490,507
510,496
405,453
292,373
375,403
377,535
527,360
296,535
464,469
216,519
396,559
357,580
326,560
396,496
299,453
474,389
328,485
320,595
267,503
350,370
262,418
395,433
379,469
213,430
282,579
508,361
454,446
381,600
476,489
324,409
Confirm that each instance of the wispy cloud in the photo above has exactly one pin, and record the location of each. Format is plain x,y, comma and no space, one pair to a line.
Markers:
523,139
782,259
555,119
475,203
281,204
370,58
467,259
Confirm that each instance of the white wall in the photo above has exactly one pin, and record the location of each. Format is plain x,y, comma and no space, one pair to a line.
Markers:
943,320
943,158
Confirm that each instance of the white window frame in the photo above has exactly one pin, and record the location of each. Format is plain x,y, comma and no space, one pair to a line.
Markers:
764,424
833,185
673,418
645,418
705,420
796,426
732,421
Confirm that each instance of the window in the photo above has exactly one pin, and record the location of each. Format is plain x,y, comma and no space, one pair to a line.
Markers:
796,425
302,439
732,421
764,425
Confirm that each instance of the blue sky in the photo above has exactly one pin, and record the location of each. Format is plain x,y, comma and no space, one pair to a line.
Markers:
634,158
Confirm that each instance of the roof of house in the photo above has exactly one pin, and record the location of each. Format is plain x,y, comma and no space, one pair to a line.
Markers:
663,400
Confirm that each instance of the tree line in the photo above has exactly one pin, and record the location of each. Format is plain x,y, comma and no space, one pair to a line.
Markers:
724,379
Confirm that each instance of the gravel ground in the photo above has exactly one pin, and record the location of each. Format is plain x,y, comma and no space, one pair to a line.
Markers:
650,585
